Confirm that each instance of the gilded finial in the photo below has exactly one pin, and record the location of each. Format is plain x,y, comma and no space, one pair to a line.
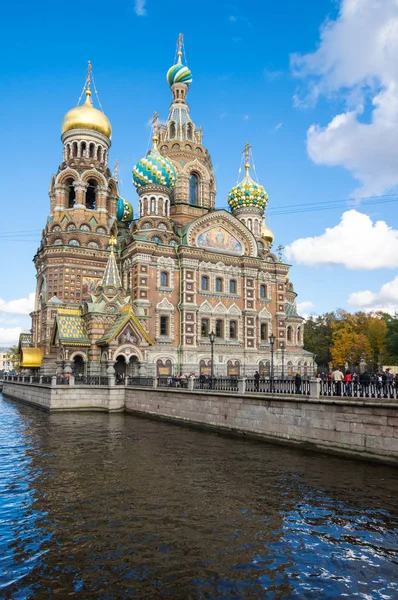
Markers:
179,47
246,151
112,242
155,130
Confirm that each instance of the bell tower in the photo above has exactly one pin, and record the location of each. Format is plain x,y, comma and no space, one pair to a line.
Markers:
181,141
84,196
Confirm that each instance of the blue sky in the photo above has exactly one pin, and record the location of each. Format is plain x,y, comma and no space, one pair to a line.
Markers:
319,117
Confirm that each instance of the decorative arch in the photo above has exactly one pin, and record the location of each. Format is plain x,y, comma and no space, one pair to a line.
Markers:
206,307
68,173
93,174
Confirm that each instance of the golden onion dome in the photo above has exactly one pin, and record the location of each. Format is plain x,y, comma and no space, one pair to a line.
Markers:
87,117
266,233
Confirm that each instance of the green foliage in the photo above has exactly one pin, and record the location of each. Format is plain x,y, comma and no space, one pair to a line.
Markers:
342,337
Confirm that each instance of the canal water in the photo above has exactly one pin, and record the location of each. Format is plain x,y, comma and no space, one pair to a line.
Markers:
113,507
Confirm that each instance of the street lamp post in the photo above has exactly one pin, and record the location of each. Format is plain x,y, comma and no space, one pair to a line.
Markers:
212,337
272,342
283,359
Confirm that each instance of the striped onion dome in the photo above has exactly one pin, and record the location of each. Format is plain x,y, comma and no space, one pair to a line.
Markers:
154,169
179,73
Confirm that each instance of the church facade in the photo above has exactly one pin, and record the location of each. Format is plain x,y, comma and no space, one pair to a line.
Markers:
142,295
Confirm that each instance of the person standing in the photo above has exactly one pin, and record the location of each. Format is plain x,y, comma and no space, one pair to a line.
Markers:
337,378
257,381
348,384
297,382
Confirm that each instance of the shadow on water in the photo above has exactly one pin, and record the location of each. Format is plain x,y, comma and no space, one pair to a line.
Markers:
111,506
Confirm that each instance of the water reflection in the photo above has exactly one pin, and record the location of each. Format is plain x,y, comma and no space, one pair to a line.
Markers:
110,506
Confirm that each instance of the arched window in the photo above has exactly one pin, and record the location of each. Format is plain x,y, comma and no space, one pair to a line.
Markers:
289,334
299,335
249,224
204,330
233,330
164,279
193,189
74,149
263,291
232,286
83,149
153,204
219,328
91,194
189,131
164,325
205,283
92,150
264,332
172,130
219,285
71,192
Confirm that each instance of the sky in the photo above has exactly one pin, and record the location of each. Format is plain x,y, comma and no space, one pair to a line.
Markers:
313,86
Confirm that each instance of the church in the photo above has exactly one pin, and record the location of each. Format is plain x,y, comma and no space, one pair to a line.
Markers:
141,294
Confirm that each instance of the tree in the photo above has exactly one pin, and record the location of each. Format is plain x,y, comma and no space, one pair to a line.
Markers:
13,357
318,337
391,340
348,346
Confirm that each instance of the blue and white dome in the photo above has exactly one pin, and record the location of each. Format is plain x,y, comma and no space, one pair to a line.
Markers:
124,212
154,169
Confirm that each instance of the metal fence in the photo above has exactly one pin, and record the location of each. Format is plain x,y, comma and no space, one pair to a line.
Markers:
91,380
277,386
140,381
359,390
172,382
219,384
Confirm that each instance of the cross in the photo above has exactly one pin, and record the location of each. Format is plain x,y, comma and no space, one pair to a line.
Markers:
88,78
280,250
246,151
155,121
116,169
180,41
112,241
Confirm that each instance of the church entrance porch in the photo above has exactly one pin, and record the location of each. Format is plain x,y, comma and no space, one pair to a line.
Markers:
120,369
78,366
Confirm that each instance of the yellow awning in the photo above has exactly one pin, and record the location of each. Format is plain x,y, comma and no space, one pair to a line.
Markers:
31,358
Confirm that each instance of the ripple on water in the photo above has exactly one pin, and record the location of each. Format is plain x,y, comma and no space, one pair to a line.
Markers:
110,506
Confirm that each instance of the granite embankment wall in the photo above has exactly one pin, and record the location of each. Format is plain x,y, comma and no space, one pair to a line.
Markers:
88,398
364,429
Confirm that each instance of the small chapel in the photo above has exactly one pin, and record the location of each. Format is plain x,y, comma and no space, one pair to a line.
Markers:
141,293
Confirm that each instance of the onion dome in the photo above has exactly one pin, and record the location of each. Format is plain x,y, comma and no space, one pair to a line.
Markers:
266,233
154,169
247,193
87,117
179,73
124,212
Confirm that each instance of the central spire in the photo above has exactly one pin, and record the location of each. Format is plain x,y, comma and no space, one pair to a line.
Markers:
111,275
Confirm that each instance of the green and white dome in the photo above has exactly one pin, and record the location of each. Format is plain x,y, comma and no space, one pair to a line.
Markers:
124,211
247,193
154,169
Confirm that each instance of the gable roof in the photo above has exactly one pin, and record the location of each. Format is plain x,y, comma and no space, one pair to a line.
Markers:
126,316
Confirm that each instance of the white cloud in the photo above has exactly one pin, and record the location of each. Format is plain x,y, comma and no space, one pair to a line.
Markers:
356,243
356,60
9,336
304,308
386,299
22,306
139,8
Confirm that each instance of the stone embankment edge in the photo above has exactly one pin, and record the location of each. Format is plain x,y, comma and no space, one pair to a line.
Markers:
291,420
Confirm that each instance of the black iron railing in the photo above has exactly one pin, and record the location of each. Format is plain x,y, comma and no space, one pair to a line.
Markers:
90,380
358,389
172,381
277,386
46,379
219,384
140,381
